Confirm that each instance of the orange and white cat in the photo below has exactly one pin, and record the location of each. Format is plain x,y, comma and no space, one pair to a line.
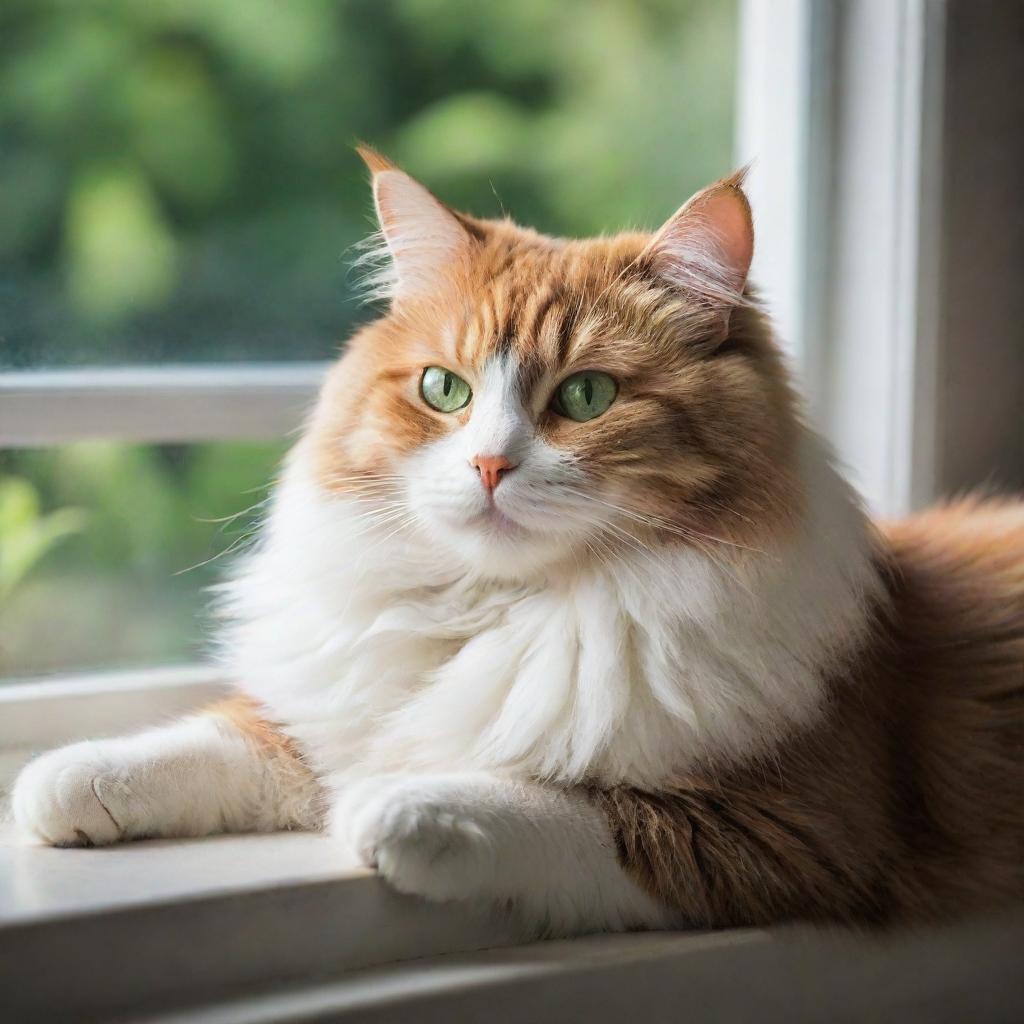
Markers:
561,607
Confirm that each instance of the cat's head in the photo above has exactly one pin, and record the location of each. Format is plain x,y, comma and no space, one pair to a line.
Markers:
528,400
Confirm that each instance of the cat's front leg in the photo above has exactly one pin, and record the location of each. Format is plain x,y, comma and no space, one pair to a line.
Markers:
224,770
546,853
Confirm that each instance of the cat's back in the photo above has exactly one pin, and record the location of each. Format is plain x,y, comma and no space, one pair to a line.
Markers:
956,654
958,584
956,630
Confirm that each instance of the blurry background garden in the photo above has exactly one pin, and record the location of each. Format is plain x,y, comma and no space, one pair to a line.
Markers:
177,184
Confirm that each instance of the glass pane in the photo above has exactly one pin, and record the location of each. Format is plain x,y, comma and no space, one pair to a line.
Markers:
105,549
177,180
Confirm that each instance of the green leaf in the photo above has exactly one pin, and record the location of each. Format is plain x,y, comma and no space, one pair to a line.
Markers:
25,535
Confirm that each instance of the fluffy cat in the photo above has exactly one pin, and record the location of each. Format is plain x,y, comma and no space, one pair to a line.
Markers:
561,607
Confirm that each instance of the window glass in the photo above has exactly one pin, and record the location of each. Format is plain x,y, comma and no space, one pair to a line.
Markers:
105,549
178,184
177,179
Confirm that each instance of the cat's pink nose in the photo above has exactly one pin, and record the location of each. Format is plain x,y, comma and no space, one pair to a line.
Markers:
491,469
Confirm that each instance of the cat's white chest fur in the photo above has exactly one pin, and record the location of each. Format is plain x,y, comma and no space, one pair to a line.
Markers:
380,656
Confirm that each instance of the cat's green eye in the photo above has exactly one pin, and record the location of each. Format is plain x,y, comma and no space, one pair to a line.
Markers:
443,390
584,395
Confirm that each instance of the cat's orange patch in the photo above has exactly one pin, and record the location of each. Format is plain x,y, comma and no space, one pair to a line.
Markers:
247,716
701,438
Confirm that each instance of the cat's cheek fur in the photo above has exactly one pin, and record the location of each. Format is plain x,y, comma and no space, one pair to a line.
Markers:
546,855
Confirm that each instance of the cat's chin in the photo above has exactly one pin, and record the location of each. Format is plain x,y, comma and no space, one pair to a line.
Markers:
493,544
495,523
487,524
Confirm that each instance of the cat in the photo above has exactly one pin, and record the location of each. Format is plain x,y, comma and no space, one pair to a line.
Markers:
562,608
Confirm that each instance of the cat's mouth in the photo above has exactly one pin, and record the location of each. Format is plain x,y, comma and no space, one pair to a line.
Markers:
496,522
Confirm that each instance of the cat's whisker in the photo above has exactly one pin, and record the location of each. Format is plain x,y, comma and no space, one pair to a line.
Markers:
695,539
609,553
405,522
377,518
231,549
661,524
601,559
376,507
637,545
231,518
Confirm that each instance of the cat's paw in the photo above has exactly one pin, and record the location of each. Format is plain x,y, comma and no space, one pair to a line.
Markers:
71,797
423,835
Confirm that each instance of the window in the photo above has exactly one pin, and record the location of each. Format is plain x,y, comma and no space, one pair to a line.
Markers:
178,196
180,181
887,149
179,200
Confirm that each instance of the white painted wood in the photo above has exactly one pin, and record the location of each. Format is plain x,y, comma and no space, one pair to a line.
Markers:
94,934
841,108
163,404
878,385
772,136
40,883
796,975
913,468
277,928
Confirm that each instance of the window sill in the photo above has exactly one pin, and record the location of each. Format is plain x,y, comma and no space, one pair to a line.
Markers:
98,932
276,928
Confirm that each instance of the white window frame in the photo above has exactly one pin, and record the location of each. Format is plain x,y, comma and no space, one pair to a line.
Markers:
136,404
841,115
37,714
156,405
839,110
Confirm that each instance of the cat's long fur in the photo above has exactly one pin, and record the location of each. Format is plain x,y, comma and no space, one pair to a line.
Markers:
667,673
904,803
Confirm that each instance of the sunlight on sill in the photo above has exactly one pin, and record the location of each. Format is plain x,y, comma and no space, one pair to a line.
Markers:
40,882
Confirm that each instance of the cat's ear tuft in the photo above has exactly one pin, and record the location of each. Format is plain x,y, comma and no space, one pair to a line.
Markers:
375,161
707,245
425,240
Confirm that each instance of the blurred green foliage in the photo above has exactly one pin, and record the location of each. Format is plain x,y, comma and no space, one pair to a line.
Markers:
177,183
177,180
25,534
123,583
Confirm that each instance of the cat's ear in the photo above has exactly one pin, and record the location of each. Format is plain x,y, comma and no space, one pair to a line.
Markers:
425,240
707,245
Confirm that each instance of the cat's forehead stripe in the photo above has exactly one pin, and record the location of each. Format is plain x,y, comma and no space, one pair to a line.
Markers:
532,318
508,322
547,307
